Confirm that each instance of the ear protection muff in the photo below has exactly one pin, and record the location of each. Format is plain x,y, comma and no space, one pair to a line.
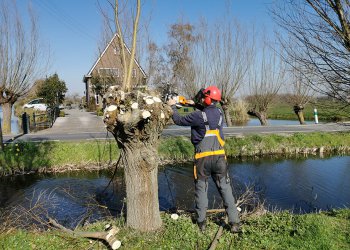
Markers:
207,99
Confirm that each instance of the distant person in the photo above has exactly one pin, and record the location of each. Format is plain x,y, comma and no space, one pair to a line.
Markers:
210,160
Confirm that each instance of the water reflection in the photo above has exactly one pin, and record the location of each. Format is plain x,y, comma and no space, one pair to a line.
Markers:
68,197
256,122
272,122
298,184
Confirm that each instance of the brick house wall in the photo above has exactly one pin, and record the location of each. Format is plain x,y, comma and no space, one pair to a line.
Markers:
109,64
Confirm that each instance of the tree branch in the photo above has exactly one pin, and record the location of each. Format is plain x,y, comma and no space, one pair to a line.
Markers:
108,237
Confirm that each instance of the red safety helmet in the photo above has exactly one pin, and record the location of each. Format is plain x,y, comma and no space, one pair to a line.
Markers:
211,93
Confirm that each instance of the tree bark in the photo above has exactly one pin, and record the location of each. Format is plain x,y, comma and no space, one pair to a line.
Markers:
108,237
137,119
298,110
141,178
301,117
262,116
7,115
225,108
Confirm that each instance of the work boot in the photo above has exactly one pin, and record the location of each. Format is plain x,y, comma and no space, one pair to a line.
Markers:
202,225
235,228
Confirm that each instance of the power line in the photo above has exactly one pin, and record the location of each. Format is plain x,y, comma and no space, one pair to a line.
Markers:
64,18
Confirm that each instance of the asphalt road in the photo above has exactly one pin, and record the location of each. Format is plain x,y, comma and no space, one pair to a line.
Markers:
80,125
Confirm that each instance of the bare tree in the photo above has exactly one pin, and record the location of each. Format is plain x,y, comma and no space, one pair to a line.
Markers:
181,38
299,92
119,25
221,56
106,77
127,66
136,117
265,80
321,29
20,57
160,72
201,56
152,49
232,57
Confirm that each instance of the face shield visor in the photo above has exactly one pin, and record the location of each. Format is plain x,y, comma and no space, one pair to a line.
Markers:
198,97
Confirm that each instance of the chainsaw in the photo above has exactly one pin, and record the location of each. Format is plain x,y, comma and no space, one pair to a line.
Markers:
181,101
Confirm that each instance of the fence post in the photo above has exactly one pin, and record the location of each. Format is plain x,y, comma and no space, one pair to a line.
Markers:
316,117
25,123
34,120
53,115
1,138
52,118
49,117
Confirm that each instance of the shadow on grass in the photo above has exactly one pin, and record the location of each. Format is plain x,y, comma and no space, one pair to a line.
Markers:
24,157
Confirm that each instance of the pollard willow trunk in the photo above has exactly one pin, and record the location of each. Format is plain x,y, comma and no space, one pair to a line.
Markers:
137,119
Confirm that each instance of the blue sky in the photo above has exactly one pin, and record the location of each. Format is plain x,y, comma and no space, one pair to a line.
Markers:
71,28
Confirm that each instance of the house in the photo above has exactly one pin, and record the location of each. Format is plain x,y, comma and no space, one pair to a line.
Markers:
108,70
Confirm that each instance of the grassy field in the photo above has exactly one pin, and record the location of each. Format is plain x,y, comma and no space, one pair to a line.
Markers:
279,230
327,110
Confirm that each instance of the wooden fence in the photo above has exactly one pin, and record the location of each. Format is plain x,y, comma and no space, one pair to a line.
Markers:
38,121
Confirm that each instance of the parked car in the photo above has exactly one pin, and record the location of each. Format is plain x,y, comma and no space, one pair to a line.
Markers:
68,106
36,104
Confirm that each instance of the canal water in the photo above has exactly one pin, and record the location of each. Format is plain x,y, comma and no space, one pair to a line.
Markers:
301,185
256,122
271,122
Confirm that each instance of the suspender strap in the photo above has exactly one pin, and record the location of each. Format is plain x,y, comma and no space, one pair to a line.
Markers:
206,123
220,121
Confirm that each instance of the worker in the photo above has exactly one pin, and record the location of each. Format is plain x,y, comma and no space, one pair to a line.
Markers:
210,159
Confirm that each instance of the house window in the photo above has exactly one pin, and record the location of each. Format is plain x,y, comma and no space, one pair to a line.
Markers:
116,51
134,73
115,72
109,72
103,71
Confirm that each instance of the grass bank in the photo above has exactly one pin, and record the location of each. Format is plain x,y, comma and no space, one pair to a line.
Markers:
327,110
60,156
24,157
180,148
281,230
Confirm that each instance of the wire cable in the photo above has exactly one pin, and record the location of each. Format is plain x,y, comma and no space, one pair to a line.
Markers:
64,18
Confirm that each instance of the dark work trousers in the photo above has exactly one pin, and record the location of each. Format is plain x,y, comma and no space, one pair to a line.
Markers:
216,167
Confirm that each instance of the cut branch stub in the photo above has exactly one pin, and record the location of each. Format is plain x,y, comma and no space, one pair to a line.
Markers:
135,115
